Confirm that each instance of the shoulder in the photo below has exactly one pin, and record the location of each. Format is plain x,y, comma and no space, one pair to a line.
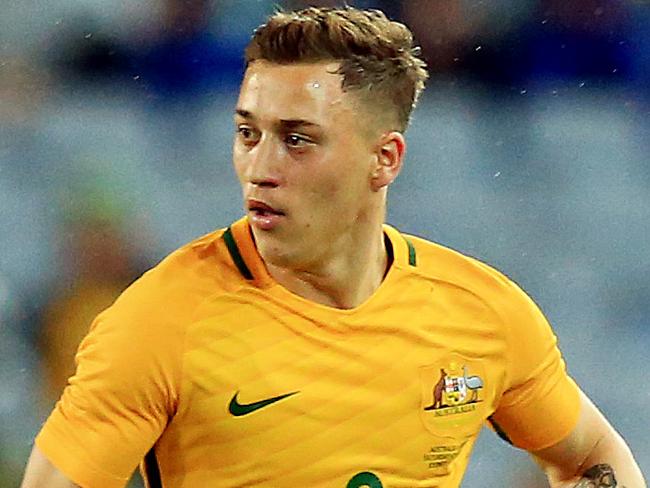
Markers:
159,306
455,269
187,276
471,284
143,333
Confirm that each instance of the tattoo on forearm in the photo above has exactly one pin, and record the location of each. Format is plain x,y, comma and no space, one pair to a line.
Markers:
599,476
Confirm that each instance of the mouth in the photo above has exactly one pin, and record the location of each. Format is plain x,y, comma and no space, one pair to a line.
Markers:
262,210
263,216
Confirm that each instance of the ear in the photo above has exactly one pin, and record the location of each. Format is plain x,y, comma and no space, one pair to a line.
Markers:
390,156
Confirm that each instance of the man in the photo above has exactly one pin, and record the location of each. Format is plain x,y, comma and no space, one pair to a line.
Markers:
309,344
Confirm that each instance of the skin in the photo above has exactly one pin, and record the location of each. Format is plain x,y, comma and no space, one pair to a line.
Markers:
41,473
594,455
329,178
328,174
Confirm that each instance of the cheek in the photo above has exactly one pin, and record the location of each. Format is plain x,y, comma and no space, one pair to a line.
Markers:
335,195
331,189
322,187
348,182
238,164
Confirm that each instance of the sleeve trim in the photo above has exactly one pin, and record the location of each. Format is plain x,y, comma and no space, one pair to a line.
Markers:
74,465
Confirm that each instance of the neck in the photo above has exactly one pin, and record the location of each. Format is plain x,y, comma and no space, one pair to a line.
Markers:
346,273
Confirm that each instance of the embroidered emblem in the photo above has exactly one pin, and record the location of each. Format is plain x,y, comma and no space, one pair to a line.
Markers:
453,397
450,391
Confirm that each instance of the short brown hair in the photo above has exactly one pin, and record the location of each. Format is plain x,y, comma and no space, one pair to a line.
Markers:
377,55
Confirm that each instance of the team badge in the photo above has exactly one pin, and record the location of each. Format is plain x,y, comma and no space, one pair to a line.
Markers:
453,397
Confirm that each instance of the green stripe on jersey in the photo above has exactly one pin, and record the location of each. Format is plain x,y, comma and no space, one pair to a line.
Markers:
236,256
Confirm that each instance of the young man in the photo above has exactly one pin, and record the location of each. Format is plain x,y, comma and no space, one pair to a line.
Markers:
309,344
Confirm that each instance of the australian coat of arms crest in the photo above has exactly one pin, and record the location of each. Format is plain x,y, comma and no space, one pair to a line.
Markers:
452,397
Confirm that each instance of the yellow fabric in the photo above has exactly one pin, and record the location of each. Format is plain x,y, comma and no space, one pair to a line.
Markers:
65,324
390,394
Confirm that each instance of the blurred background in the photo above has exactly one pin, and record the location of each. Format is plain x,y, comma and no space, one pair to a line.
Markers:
530,150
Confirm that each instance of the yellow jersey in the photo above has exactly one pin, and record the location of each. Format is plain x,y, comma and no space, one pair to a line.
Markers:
214,375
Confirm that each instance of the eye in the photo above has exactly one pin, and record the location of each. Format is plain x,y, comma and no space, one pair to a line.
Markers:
247,134
295,140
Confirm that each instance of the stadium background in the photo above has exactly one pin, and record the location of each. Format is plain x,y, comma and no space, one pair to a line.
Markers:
529,150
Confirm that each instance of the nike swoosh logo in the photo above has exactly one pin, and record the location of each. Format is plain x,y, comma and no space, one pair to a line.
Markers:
238,409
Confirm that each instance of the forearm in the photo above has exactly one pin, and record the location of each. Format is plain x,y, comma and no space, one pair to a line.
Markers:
594,455
40,472
609,464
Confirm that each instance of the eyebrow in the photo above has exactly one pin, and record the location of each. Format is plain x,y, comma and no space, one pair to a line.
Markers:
284,123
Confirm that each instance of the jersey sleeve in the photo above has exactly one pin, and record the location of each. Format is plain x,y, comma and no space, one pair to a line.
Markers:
119,400
541,403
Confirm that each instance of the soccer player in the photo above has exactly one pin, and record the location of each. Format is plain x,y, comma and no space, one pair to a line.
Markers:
309,343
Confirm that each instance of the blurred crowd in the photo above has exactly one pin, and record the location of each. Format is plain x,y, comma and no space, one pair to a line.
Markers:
114,150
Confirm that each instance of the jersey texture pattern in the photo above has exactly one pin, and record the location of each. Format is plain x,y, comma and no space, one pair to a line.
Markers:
211,374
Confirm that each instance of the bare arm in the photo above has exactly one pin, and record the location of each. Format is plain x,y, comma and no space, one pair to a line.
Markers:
41,472
594,455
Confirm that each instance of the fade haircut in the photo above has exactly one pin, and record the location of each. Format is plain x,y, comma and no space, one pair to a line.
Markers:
377,57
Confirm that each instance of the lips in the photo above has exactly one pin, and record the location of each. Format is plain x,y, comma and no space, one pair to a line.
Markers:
261,208
263,216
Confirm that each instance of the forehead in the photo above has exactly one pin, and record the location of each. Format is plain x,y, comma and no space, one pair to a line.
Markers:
294,91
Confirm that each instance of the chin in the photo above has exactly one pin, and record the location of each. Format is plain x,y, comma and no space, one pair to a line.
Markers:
270,245
284,254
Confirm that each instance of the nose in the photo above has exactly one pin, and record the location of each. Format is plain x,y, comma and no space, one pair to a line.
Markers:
263,163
